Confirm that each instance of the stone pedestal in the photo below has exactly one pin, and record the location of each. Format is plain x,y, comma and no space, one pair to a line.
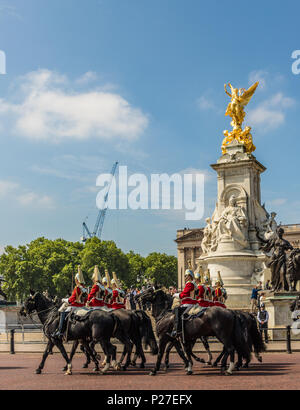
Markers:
238,177
278,307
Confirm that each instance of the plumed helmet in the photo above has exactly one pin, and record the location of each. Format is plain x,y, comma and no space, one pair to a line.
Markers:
104,280
96,275
79,276
189,272
197,275
115,279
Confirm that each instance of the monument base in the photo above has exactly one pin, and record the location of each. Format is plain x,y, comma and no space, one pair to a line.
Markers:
236,269
278,306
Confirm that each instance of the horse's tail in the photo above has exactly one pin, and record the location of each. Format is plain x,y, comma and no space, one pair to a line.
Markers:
146,331
241,337
257,341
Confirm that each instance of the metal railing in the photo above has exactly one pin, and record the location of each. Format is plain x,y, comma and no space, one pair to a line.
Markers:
12,330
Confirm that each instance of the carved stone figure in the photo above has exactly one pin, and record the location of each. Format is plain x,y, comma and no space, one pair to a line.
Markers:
233,224
277,262
207,234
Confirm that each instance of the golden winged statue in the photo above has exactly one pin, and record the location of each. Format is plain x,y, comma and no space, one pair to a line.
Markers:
240,97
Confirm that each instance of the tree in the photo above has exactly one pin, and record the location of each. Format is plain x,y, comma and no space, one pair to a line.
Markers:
161,268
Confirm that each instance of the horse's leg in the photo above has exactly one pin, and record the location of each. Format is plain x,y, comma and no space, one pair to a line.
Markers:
128,347
215,363
224,361
123,356
91,353
107,352
65,356
47,351
135,357
188,350
180,351
231,364
161,350
73,351
167,356
206,346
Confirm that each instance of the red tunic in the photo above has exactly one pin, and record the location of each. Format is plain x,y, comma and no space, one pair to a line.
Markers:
107,293
74,299
93,299
218,294
201,293
115,303
187,295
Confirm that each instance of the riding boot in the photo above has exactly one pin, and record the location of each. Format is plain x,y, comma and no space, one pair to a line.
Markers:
59,332
176,329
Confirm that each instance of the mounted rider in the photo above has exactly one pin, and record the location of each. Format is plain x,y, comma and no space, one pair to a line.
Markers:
118,295
77,299
108,291
187,300
95,298
202,291
220,294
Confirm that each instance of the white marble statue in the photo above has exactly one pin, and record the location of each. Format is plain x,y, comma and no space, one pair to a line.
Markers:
207,235
232,224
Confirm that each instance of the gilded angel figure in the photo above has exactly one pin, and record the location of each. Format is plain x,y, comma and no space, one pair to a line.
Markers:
240,97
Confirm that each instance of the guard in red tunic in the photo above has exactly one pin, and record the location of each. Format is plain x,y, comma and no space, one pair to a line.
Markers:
187,300
202,292
107,292
118,295
77,299
218,295
95,297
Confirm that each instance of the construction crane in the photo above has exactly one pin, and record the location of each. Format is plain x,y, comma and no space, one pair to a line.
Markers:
101,215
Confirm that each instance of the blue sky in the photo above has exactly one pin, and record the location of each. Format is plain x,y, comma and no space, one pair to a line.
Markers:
140,82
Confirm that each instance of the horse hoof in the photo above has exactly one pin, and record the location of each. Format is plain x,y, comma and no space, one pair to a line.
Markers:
223,370
85,366
96,369
69,373
133,364
152,373
227,373
38,371
210,364
189,372
64,369
142,366
123,368
214,364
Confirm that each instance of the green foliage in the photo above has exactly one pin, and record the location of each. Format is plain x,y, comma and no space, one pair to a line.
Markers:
51,264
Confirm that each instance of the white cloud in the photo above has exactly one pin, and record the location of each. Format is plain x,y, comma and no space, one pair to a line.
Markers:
33,199
25,197
6,187
205,103
270,114
278,201
86,78
259,75
50,111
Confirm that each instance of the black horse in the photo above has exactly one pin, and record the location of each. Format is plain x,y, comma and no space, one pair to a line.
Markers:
252,338
219,322
138,326
97,326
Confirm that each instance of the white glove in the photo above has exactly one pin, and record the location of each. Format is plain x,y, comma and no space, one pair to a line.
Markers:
66,300
176,295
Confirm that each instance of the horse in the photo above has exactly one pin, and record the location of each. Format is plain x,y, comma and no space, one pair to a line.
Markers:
98,326
138,326
215,321
253,339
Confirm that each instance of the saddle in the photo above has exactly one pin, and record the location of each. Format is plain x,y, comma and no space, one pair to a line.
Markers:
195,311
83,312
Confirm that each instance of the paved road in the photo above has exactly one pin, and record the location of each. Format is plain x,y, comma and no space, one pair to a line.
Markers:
278,370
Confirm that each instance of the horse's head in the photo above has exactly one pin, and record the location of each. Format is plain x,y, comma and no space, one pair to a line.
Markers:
34,303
